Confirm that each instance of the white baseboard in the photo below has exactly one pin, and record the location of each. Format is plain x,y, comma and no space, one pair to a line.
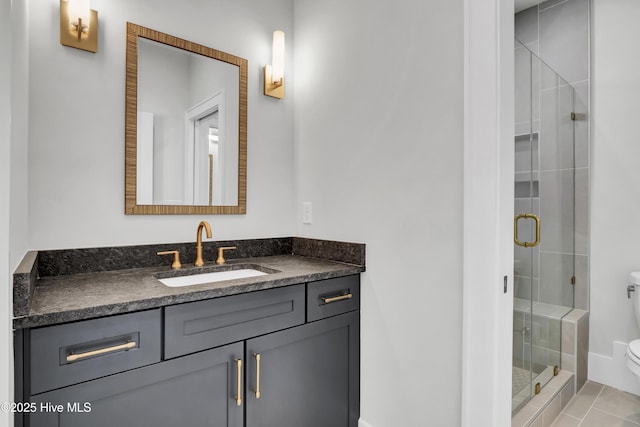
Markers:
613,371
363,423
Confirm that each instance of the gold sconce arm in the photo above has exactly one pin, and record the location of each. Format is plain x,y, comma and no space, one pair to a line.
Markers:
274,89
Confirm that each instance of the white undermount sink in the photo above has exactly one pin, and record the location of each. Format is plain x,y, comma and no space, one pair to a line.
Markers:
218,276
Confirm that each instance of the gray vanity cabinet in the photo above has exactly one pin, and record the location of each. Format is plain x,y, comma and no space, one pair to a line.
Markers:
307,376
282,357
195,390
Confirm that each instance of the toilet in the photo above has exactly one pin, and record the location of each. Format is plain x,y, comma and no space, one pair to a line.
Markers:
633,350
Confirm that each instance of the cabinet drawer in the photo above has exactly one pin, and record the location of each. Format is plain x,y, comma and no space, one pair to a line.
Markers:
68,354
332,296
195,390
200,325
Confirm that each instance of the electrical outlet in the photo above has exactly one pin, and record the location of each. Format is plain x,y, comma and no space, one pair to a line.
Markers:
306,212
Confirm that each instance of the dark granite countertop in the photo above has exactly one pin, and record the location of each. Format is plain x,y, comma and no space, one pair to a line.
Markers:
69,297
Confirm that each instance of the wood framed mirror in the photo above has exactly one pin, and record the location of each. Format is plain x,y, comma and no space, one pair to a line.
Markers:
185,127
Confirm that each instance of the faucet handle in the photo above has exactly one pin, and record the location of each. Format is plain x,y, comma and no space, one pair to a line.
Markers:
221,250
176,258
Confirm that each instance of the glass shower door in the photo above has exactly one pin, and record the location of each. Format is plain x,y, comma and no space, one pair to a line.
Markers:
554,295
544,222
526,210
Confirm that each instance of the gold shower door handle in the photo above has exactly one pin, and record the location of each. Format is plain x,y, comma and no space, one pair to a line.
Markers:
515,230
257,391
239,395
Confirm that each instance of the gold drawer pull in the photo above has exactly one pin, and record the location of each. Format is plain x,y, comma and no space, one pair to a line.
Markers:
239,368
257,356
127,346
336,299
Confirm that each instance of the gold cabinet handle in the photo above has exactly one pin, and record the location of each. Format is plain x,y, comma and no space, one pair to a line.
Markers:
257,391
329,300
515,230
239,395
74,357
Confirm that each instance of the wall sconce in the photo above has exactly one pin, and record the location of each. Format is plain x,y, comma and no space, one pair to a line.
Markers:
274,73
78,25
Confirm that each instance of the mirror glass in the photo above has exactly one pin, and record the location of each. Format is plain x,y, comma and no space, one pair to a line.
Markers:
186,127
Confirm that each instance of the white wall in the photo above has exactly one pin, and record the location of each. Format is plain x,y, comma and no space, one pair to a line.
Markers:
379,137
19,130
615,185
76,155
13,174
6,359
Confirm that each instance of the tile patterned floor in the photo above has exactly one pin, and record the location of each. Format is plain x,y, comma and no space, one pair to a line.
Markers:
597,405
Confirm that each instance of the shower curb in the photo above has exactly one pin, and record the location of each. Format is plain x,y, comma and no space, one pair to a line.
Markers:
547,405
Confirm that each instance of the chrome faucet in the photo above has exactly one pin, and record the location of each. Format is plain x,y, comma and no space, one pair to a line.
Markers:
203,224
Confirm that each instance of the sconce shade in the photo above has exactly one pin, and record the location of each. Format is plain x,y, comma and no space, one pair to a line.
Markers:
274,73
78,25
277,61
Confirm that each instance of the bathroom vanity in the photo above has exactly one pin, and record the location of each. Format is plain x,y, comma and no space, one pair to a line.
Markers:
281,349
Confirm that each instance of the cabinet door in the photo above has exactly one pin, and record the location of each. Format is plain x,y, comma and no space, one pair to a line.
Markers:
309,375
195,390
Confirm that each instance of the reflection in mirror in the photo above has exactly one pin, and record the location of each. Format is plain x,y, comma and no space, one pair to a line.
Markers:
187,150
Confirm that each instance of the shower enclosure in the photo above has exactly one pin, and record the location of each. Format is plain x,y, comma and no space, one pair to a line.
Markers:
544,222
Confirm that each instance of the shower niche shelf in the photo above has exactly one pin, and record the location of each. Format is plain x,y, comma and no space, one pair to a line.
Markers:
526,136
526,177
526,156
527,189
